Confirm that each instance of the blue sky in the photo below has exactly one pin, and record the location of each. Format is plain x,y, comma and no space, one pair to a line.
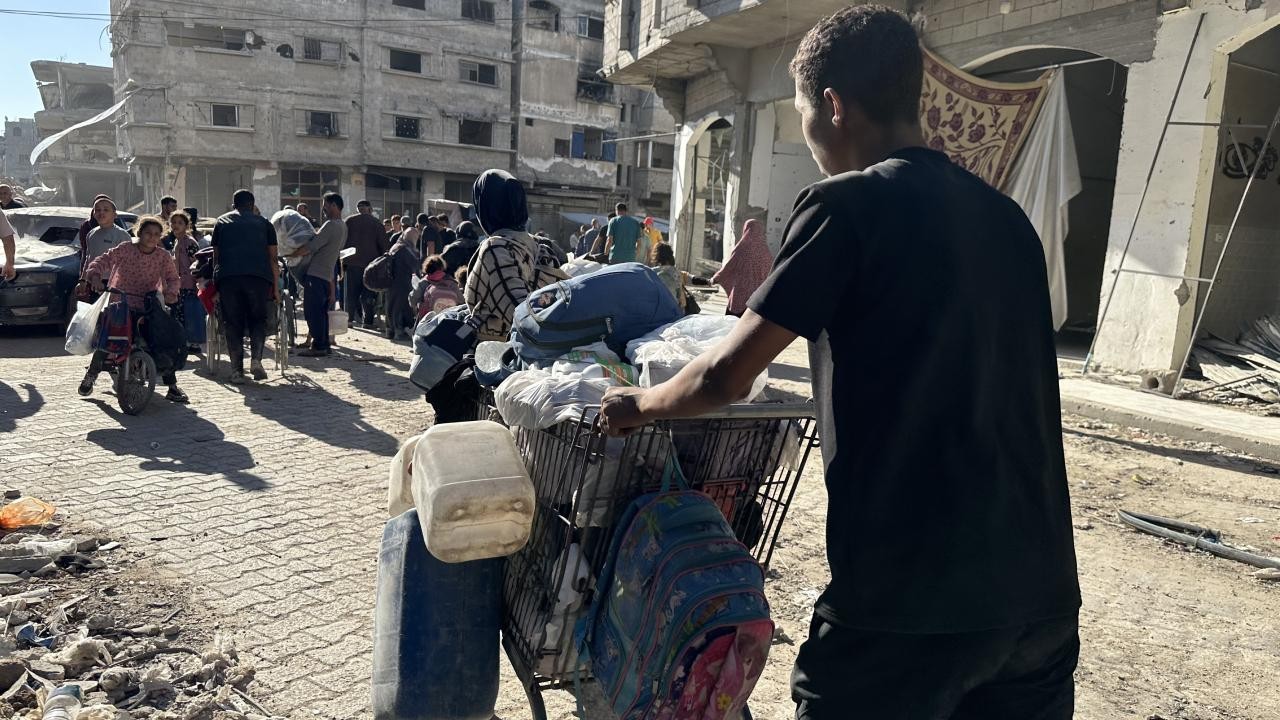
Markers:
27,38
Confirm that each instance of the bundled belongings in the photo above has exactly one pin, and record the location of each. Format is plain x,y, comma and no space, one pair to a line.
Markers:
538,398
293,231
439,342
581,266
665,351
614,305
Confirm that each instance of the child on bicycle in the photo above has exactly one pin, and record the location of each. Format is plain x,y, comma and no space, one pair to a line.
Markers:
434,290
135,269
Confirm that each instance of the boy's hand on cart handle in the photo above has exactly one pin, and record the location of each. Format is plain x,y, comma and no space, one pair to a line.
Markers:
620,412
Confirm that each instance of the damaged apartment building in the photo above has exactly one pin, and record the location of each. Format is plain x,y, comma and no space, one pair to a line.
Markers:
83,162
1167,107
398,101
15,149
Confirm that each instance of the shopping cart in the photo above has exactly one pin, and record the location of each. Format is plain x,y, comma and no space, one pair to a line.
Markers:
747,458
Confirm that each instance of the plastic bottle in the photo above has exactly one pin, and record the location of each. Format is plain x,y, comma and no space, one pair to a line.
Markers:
472,491
63,703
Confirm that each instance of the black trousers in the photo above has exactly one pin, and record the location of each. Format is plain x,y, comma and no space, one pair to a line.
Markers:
359,302
315,308
1018,673
246,302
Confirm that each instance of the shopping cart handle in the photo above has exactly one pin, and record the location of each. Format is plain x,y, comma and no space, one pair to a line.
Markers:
741,411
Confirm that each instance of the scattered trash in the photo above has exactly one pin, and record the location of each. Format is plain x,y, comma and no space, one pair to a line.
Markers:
1250,520
1268,574
1198,537
26,513
74,648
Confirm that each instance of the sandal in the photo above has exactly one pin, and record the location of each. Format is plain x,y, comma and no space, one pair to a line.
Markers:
177,396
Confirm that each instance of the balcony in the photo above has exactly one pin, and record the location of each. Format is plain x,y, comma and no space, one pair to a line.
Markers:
678,48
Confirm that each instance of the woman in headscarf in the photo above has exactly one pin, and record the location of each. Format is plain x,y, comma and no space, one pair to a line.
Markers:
509,264
747,267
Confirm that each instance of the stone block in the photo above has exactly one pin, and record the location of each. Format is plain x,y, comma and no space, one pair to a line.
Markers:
1045,13
1076,7
1017,19
939,38
976,12
968,31
948,19
991,26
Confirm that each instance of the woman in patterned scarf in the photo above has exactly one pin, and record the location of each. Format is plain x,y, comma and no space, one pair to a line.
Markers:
510,263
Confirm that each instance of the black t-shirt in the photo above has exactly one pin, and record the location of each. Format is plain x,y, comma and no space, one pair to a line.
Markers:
923,294
242,242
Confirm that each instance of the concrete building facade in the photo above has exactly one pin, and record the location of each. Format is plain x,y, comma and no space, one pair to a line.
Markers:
15,149
83,163
721,67
399,101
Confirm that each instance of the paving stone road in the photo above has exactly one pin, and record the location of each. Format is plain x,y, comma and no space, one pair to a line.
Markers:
270,498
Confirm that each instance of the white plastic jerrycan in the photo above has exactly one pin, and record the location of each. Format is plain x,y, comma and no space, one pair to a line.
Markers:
400,479
472,491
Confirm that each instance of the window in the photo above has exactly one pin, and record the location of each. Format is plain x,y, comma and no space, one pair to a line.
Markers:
590,85
622,113
321,50
590,26
544,15
475,72
210,36
475,132
481,10
322,124
407,127
16,130
562,148
307,186
406,61
224,115
662,155
528,122
458,190
415,4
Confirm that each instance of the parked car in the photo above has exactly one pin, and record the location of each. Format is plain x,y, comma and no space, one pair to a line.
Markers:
47,262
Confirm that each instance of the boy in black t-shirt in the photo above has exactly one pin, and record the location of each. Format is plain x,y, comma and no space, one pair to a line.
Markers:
923,294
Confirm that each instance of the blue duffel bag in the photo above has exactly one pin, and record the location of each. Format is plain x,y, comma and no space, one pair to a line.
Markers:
617,305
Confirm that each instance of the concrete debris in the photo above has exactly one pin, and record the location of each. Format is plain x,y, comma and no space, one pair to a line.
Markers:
62,624
1268,574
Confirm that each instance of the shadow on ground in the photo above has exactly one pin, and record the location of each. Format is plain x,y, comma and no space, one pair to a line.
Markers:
306,407
174,438
13,408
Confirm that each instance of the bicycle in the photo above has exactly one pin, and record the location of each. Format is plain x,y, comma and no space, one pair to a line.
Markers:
134,371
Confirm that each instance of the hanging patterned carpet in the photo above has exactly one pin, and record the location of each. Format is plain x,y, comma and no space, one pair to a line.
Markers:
981,125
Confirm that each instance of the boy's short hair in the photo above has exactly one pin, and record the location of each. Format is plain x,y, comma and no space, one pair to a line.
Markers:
333,198
168,200
870,55
424,219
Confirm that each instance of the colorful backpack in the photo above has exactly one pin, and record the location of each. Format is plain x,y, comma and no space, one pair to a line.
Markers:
680,629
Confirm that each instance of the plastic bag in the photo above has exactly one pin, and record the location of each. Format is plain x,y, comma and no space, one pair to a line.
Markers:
83,329
25,513
537,399
580,266
665,351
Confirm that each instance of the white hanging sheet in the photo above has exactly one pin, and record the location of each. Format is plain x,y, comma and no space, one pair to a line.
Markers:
1044,179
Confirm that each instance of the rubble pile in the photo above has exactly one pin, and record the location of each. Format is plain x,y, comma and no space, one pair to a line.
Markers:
75,643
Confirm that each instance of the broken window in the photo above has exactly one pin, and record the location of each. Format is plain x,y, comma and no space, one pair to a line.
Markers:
588,143
662,155
563,148
591,86
481,10
406,61
407,127
415,4
210,36
475,132
544,15
591,26
321,50
224,115
322,124
307,185
475,72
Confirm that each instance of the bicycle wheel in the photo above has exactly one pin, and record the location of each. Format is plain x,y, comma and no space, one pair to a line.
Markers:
216,344
136,382
284,337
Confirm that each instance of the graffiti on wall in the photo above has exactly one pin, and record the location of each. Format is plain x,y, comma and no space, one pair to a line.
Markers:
1243,159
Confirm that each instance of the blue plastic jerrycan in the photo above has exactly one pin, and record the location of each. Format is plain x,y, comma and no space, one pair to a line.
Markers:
436,631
